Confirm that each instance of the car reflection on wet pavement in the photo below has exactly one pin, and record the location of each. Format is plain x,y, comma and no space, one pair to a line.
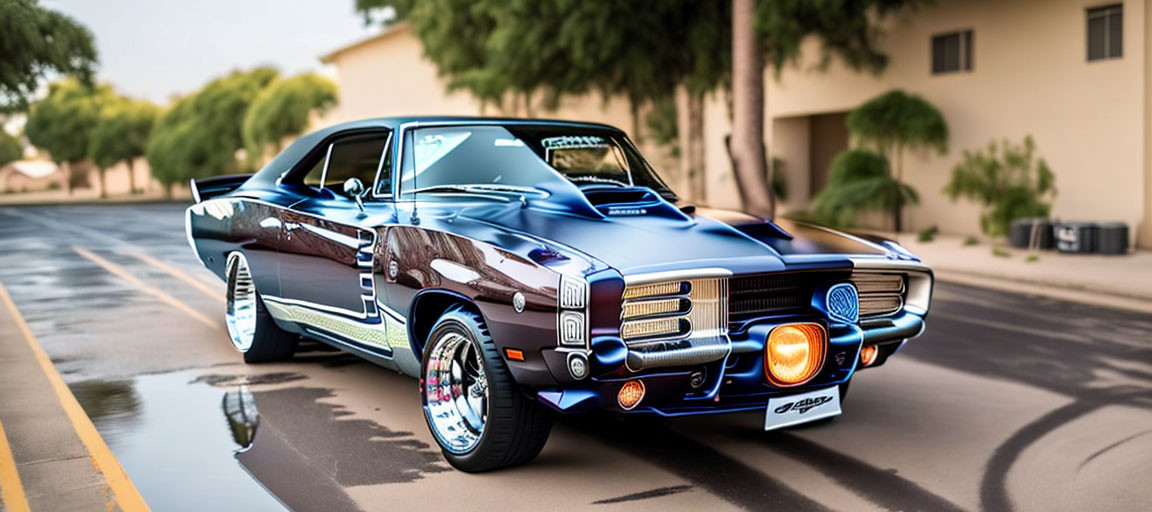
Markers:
160,427
1007,402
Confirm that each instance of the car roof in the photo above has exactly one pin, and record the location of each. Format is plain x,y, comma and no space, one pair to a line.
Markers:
298,149
397,121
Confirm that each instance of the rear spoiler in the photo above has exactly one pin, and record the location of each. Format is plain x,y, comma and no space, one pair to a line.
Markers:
207,188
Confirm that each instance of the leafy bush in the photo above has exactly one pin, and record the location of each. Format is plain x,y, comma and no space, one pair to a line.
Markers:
860,181
971,240
889,123
928,235
1008,180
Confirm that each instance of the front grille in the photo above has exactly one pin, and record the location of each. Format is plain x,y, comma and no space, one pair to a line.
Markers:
661,311
675,323
880,293
775,294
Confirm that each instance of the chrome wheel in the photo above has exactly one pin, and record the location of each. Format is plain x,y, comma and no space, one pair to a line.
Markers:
455,392
240,312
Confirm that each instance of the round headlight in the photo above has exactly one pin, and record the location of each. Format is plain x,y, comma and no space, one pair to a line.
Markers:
794,353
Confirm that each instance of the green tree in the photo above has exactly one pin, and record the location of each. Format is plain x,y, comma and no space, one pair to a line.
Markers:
859,181
121,135
10,148
34,42
283,109
895,122
1008,180
62,123
541,50
772,32
201,134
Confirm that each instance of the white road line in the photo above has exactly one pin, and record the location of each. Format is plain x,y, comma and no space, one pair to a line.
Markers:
215,294
144,287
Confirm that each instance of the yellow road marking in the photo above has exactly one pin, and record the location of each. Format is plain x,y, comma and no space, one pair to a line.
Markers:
127,496
216,295
164,297
11,490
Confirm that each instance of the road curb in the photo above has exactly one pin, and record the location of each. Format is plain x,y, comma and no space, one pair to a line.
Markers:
1090,297
55,444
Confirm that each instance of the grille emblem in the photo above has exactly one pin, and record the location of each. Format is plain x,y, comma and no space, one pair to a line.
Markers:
843,303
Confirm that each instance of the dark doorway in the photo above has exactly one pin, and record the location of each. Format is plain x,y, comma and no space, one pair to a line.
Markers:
827,137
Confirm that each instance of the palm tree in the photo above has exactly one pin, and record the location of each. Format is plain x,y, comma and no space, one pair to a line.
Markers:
747,142
860,181
896,122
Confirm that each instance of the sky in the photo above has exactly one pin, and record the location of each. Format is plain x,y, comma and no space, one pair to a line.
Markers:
156,49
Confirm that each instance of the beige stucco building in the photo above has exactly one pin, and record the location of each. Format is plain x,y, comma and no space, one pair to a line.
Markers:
995,69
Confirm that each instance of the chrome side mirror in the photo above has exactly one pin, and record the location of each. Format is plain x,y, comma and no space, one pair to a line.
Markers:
354,188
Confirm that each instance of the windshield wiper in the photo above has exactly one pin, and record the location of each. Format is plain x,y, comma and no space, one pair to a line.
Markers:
479,187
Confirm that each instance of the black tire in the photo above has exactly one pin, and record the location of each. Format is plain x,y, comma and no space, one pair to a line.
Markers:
271,343
516,428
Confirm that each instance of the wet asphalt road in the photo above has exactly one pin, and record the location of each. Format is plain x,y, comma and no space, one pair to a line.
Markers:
1008,402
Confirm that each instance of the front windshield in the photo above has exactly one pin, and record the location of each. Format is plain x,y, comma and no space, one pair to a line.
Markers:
484,158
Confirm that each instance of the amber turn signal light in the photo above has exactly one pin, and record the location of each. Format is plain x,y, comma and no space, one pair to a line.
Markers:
513,354
868,354
794,353
630,394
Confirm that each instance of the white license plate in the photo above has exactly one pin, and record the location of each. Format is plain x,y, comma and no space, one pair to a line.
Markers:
791,410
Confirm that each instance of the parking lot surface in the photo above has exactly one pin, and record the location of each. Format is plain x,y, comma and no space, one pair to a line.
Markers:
1007,402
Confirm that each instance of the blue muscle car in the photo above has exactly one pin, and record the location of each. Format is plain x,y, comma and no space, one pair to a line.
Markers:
521,267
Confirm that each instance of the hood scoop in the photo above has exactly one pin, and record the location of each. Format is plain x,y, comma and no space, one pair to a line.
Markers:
632,202
764,231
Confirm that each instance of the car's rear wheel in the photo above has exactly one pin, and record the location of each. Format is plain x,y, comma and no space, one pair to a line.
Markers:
475,410
251,328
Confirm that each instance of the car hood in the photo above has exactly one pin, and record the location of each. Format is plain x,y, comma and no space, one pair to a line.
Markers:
656,239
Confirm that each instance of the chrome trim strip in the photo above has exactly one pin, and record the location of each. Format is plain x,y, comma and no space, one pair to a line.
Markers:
578,307
316,306
882,264
188,233
637,361
372,335
380,167
676,275
327,161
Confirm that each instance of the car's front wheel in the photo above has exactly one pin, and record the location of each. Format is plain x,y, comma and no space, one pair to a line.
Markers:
475,410
253,331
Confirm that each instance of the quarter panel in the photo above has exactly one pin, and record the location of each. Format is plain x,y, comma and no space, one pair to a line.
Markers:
217,227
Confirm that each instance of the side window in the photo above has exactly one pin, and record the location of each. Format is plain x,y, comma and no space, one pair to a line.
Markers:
360,157
315,175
